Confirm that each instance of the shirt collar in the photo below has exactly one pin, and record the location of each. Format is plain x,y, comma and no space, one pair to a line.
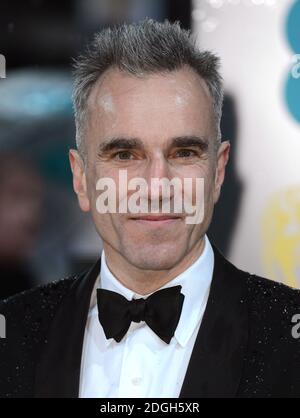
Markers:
195,282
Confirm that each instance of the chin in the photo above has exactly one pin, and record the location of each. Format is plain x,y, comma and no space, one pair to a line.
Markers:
155,258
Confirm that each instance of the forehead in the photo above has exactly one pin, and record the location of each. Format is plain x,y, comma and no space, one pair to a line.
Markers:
120,103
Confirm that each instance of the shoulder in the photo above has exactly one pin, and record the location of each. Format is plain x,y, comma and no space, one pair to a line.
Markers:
269,299
259,290
25,317
40,298
272,296
274,312
269,303
273,349
25,320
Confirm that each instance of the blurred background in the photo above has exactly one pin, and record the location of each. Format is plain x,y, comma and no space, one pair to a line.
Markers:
43,234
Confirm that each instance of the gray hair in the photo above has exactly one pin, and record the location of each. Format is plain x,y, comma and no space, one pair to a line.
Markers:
139,48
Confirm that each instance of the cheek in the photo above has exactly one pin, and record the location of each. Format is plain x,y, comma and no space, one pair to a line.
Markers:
107,186
107,225
94,173
199,182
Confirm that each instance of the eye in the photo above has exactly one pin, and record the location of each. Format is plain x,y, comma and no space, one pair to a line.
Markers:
123,155
185,153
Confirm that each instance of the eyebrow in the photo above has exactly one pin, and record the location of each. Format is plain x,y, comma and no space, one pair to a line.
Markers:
135,143
119,142
190,141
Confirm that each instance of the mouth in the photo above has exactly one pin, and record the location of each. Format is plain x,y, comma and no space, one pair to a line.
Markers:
156,220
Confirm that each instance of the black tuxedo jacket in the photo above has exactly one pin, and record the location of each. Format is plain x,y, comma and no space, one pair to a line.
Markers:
244,346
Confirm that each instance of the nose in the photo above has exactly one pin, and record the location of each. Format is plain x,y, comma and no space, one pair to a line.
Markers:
157,170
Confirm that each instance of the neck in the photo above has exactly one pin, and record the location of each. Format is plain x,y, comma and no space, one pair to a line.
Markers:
142,281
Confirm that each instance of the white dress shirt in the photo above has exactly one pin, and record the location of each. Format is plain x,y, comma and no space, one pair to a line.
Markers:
141,364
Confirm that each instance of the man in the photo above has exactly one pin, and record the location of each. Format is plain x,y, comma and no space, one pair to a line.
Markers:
161,313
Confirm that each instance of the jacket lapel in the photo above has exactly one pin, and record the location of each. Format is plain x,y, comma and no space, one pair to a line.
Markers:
216,363
58,370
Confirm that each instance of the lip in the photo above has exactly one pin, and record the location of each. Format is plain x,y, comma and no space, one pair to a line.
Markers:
152,220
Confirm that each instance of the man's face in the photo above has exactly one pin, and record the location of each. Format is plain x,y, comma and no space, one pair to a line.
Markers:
156,126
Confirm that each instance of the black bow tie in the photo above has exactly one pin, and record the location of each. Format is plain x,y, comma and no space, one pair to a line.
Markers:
161,312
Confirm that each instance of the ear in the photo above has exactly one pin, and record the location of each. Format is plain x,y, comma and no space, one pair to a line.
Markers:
222,159
79,180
